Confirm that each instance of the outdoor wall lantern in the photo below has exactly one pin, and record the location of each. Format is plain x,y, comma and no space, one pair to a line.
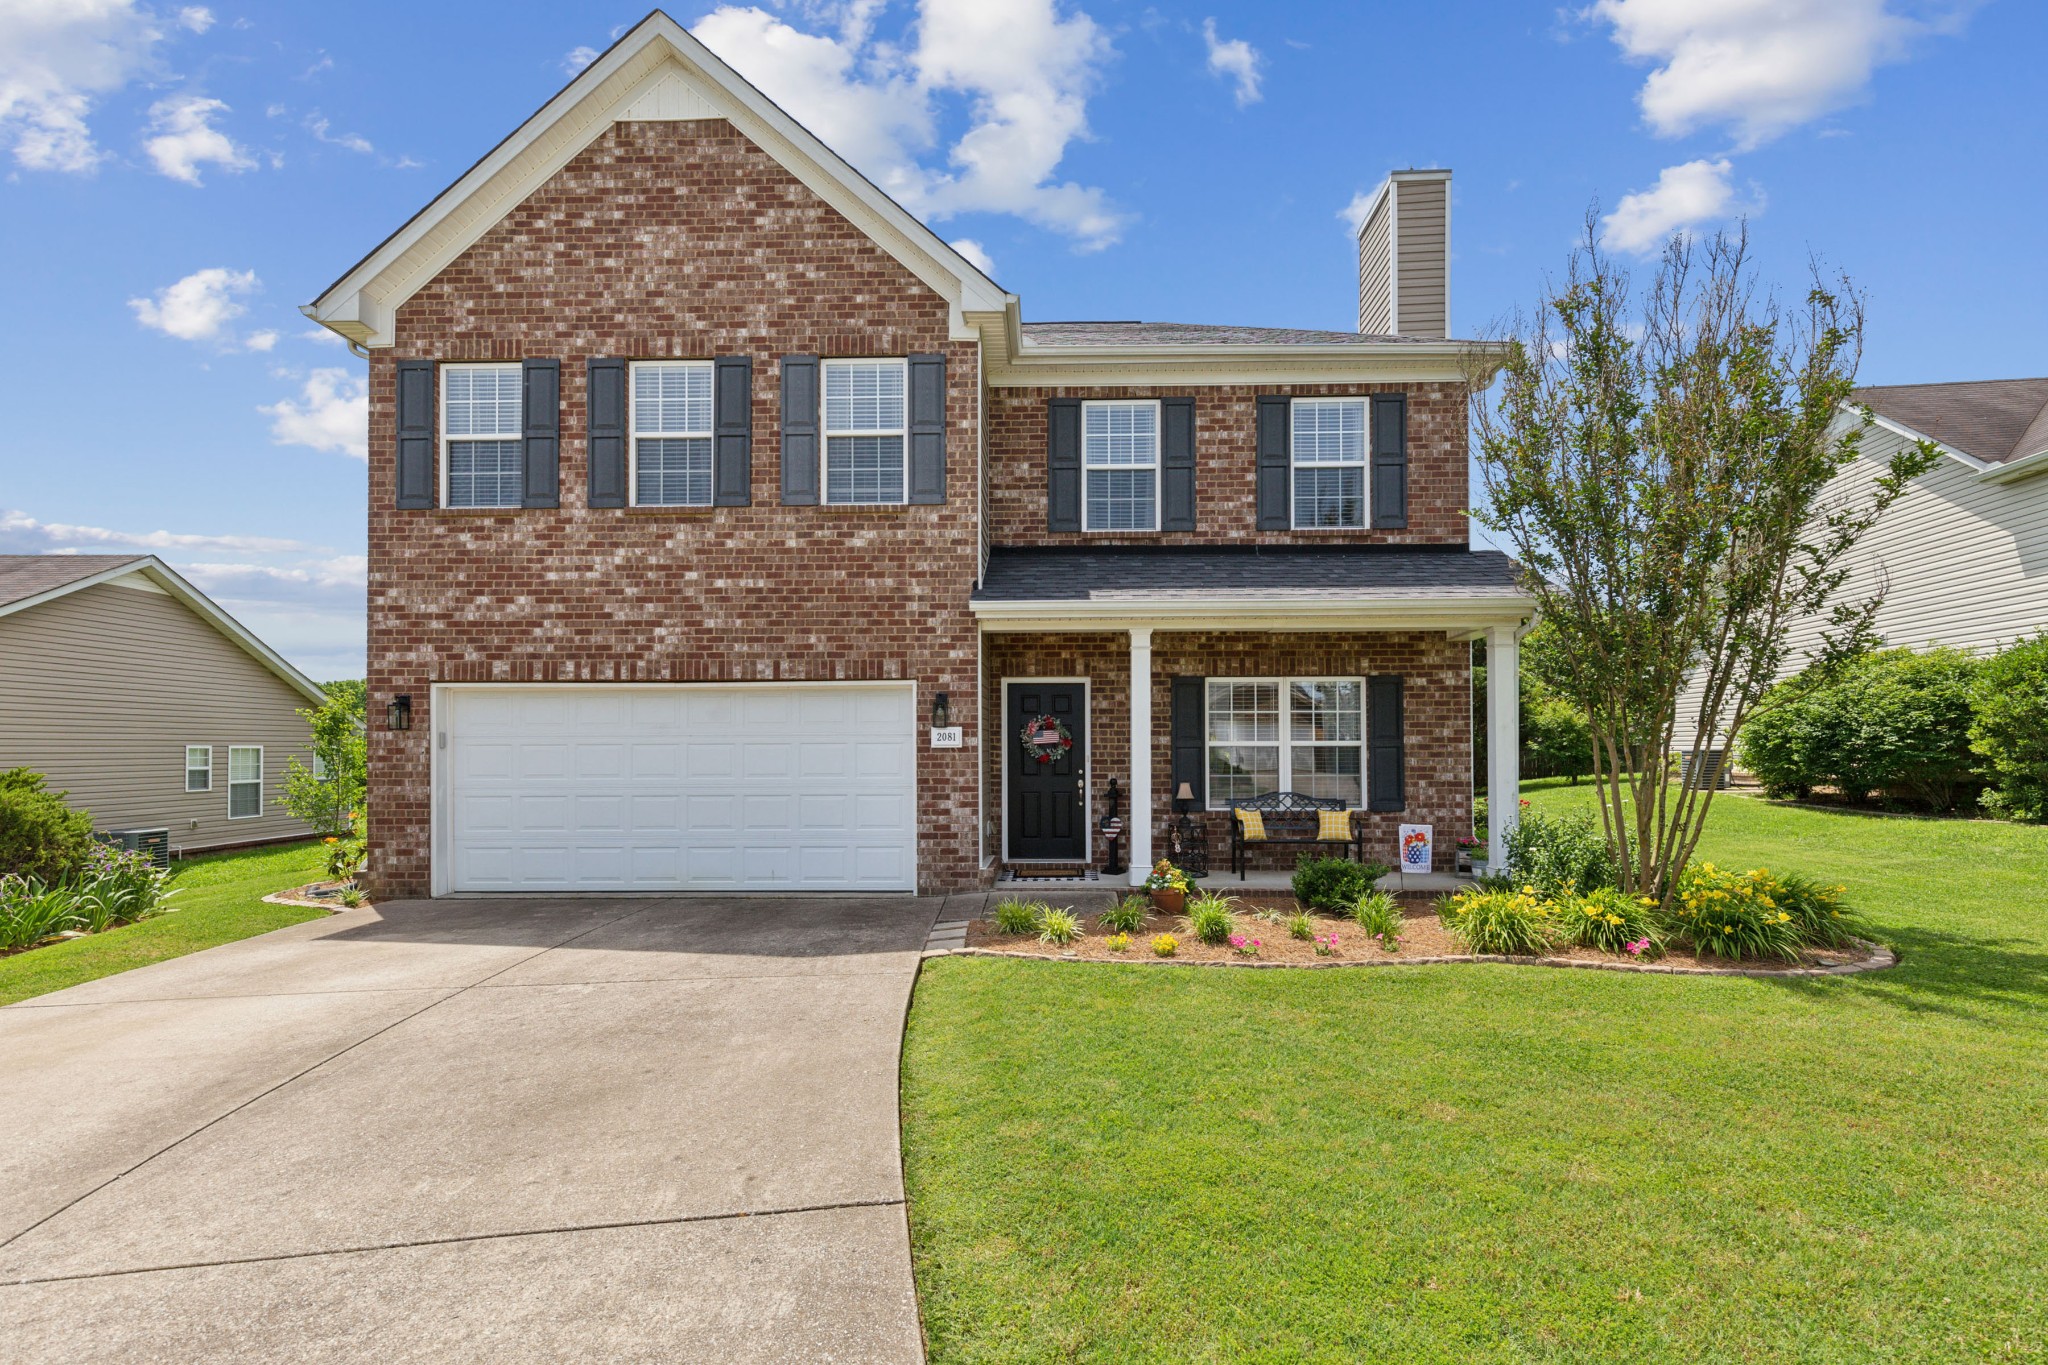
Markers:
399,717
942,711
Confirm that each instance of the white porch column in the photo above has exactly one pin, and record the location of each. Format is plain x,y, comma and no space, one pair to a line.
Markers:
1503,738
1140,819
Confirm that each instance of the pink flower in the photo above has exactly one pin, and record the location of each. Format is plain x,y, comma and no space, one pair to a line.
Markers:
1638,946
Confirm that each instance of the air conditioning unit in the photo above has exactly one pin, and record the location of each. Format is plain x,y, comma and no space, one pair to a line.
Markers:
155,842
1712,770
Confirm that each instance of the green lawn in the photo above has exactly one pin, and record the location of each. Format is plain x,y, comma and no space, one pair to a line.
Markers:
1481,1163
221,900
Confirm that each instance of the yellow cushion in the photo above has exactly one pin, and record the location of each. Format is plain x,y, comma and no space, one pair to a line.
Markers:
1334,825
1253,822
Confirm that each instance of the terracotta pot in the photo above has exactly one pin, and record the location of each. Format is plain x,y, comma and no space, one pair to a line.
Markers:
1169,902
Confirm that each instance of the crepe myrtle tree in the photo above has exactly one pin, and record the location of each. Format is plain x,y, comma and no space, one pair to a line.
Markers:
329,795
1665,470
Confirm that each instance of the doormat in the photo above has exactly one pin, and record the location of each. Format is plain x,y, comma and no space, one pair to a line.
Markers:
1010,877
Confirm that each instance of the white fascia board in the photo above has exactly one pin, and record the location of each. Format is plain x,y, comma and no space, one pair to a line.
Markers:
1379,194
1898,428
1446,611
1366,362
2013,470
623,73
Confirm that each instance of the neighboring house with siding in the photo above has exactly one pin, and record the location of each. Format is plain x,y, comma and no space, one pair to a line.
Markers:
1962,556
152,707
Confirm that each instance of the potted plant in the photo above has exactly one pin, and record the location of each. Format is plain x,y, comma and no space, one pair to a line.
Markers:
1168,886
1472,855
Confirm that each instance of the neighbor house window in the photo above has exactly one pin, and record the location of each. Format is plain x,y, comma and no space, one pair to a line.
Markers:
198,768
482,459
864,417
1303,735
245,781
1329,463
1120,457
672,434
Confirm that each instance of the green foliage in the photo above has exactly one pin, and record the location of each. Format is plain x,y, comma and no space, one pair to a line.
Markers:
1557,855
350,897
1019,917
40,836
1516,923
1894,722
332,800
1118,943
1734,915
1612,921
1058,927
1818,911
2010,729
1165,945
1300,926
1379,914
1332,884
1556,741
1211,920
347,851
32,910
1127,916
120,888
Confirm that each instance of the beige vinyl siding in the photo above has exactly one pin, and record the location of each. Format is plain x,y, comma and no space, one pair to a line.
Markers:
1964,562
103,689
1375,303
1423,220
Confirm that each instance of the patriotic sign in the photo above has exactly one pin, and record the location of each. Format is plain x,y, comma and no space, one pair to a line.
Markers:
1417,848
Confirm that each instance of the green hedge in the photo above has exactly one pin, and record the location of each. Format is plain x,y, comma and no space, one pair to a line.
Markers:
40,836
2009,731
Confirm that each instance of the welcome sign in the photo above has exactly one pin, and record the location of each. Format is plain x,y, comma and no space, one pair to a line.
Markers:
1417,848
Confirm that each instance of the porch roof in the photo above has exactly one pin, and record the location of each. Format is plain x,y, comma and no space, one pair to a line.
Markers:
1298,587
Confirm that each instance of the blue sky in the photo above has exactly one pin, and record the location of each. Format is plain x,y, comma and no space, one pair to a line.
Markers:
175,180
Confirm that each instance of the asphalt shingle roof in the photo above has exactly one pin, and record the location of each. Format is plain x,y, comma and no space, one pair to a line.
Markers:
1191,334
24,576
1996,420
1058,574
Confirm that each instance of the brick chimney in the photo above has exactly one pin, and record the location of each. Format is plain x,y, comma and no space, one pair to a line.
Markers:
1404,257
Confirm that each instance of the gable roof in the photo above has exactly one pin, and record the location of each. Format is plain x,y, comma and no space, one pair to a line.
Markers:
655,71
1994,421
31,580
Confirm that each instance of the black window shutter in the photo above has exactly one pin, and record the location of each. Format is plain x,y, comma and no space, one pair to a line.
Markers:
415,434
1386,758
800,430
1275,486
1190,738
1063,464
927,428
541,432
732,431
1176,464
606,402
1390,461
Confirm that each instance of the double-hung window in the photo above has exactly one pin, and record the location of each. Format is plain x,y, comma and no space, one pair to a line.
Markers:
1120,461
245,781
1329,450
672,433
482,459
198,767
1303,735
864,431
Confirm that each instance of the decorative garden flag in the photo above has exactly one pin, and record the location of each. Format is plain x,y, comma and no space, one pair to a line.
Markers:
1416,850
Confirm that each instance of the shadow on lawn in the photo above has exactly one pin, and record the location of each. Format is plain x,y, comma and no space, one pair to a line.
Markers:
1941,972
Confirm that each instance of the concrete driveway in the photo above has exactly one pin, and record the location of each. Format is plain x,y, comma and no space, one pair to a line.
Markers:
506,1129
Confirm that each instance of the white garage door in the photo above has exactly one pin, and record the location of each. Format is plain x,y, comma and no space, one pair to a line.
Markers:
681,788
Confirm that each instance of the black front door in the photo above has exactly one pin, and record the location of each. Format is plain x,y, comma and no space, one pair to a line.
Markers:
1047,817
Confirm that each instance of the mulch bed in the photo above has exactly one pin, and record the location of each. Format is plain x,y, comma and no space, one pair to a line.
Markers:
303,895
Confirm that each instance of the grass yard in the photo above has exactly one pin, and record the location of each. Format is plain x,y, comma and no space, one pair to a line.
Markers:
220,900
1493,1163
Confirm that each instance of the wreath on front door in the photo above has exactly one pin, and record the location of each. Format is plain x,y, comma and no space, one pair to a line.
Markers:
1045,738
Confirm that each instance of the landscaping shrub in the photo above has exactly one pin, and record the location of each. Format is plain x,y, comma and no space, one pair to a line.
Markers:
347,850
1118,943
32,910
1165,945
1518,923
1300,926
1058,927
1612,921
120,888
40,836
1559,856
1734,915
1818,912
1019,917
1333,884
1127,916
1378,913
2010,699
1210,919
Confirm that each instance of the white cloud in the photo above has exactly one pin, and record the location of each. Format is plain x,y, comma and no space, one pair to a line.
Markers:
1024,71
578,58
323,336
1758,67
1235,60
260,341
56,57
197,18
976,254
22,532
332,412
1683,198
319,125
186,138
200,306
1354,212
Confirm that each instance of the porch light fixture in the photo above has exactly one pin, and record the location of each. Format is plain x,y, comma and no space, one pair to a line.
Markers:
1185,797
942,711
399,715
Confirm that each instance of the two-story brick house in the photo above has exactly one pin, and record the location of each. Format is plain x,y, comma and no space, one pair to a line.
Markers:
705,481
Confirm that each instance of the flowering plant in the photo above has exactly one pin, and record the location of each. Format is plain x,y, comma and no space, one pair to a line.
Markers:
346,854
1045,738
1166,945
1246,947
1166,877
1468,842
1118,943
1326,945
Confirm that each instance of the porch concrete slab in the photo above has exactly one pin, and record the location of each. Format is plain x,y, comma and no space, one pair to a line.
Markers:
509,1108
407,945
89,1091
831,1285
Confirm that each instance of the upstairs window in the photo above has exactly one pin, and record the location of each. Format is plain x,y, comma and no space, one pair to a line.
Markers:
671,433
1329,463
1303,735
198,767
864,431
1120,461
482,457
245,781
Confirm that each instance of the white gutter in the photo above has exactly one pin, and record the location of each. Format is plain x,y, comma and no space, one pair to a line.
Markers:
1254,610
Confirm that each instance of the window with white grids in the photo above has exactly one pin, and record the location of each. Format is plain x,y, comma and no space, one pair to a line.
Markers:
198,767
1120,461
864,431
671,433
1302,735
245,781
1328,439
482,458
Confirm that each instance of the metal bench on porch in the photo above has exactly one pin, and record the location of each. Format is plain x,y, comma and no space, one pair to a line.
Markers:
1290,818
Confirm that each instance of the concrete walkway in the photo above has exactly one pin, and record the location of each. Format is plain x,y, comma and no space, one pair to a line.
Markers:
506,1129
